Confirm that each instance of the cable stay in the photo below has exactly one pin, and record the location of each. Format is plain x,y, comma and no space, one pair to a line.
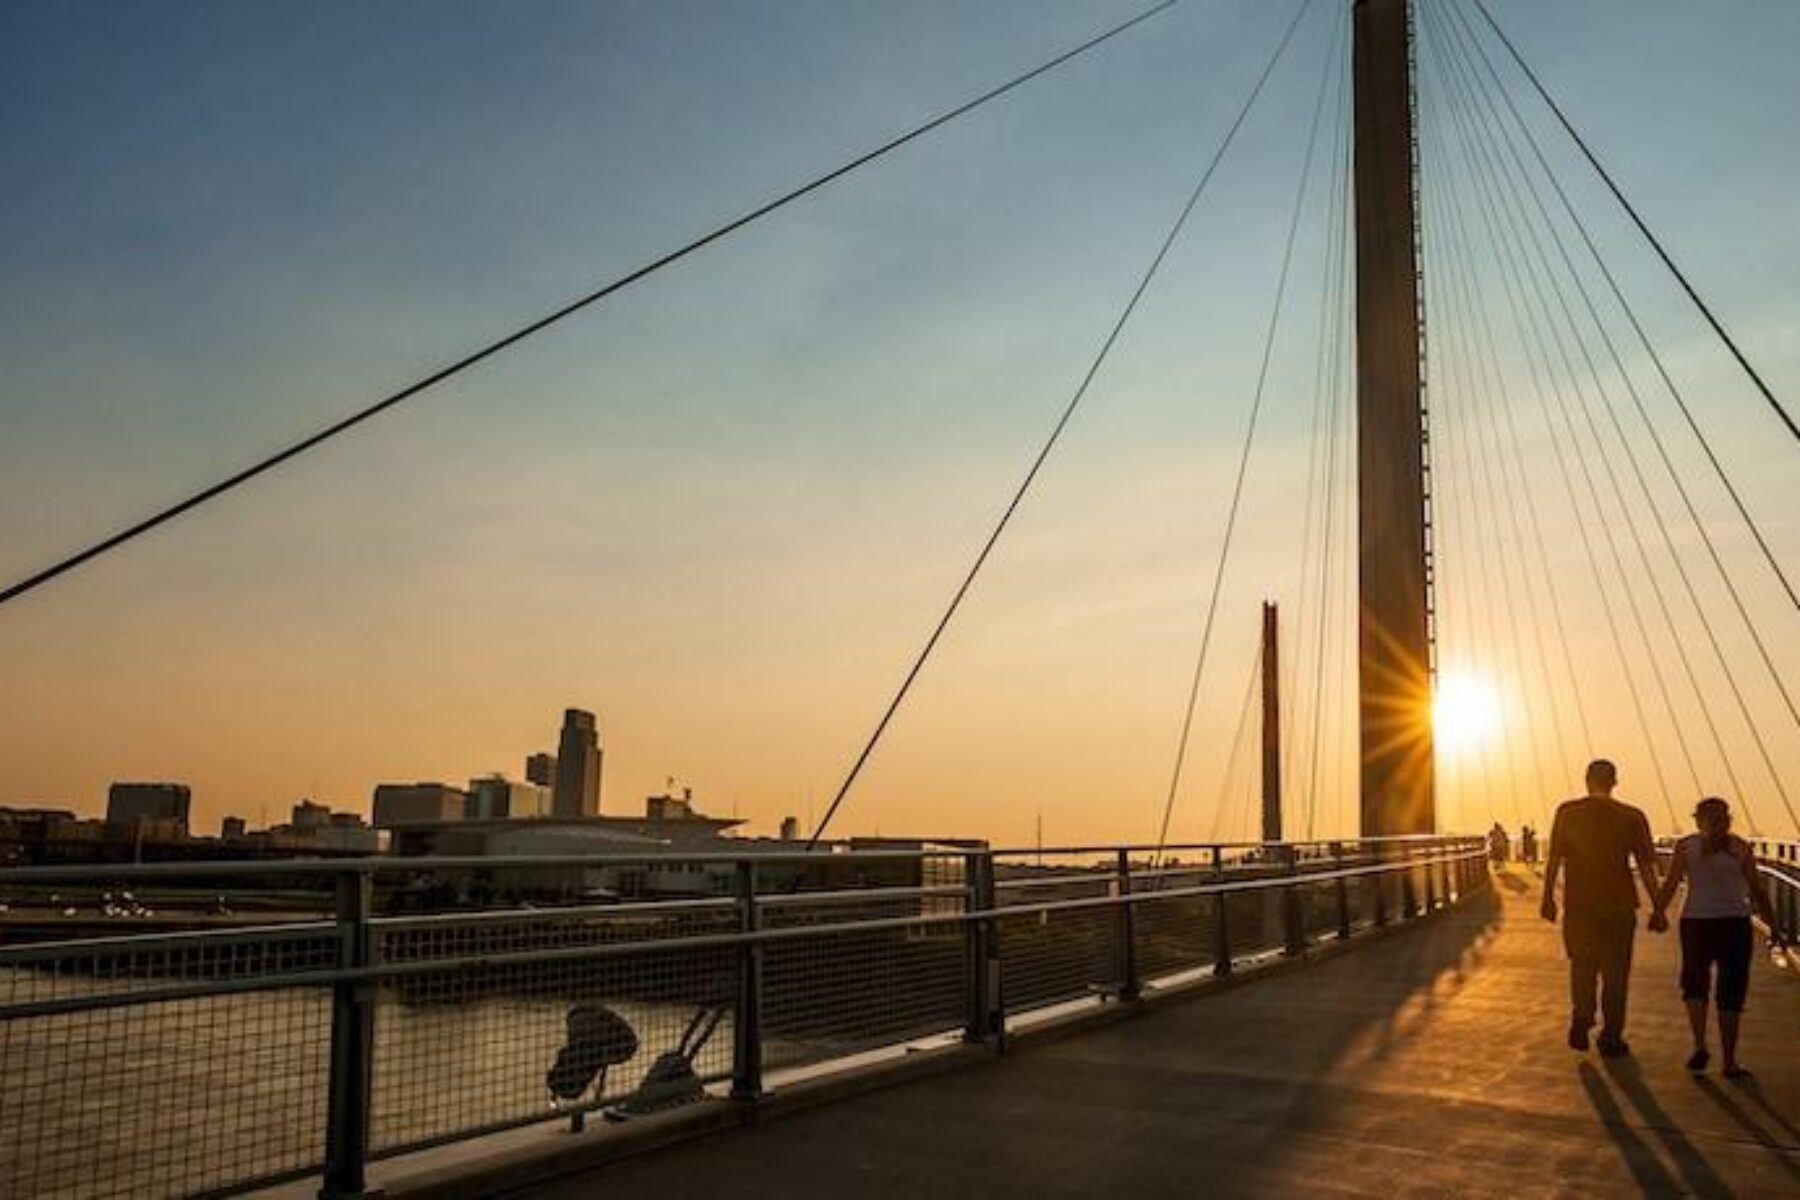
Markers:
1612,186
1581,227
1474,109
1256,407
1062,422
1531,339
241,477
1519,173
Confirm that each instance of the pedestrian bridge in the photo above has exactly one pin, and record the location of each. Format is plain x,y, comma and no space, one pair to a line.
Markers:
1317,1017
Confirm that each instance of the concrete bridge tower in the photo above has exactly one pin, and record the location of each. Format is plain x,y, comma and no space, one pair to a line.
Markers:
1394,556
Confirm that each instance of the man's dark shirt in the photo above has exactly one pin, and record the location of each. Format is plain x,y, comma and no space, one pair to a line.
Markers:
1596,836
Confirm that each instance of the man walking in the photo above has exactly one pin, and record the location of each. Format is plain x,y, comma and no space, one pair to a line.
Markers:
1596,838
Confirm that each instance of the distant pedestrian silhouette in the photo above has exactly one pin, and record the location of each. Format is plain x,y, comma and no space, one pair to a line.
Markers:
1596,838
1528,848
1499,847
1722,885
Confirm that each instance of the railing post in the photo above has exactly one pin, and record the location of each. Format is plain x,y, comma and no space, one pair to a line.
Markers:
1293,921
1379,879
1409,892
1343,893
985,1021
1130,987
746,1025
1222,934
1790,905
1430,885
352,1047
1790,902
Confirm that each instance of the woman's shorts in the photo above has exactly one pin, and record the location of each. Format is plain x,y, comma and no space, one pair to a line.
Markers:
1726,941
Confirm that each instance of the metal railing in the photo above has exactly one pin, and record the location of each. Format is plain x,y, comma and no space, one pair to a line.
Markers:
385,1006
1779,863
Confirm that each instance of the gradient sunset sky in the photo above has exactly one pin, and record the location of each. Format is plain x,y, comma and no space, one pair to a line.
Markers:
723,508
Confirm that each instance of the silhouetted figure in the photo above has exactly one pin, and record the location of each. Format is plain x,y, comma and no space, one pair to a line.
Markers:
1499,846
1596,838
1722,885
1528,847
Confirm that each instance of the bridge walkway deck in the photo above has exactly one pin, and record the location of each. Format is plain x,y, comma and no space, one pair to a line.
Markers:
1426,1064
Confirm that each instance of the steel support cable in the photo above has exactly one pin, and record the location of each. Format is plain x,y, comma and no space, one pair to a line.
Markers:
1475,511
1452,516
1481,531
1336,287
1530,341
1630,312
1487,342
462,364
1457,512
1484,451
1062,422
1522,172
1504,228
1511,181
1486,370
1497,459
1631,211
1338,602
1490,373
1237,746
1336,273
1317,435
1237,488
1661,447
1483,498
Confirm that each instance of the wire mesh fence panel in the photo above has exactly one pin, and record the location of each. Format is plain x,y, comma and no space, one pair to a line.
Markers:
830,995
1319,910
164,1099
1255,921
1047,957
1174,935
470,1048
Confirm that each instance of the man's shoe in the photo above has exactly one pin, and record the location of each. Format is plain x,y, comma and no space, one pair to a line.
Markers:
1614,1048
1578,1038
1697,1060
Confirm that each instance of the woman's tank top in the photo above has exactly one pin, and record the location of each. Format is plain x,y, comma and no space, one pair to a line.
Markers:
1715,883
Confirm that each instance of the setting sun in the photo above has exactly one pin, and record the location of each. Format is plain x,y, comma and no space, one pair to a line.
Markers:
1465,712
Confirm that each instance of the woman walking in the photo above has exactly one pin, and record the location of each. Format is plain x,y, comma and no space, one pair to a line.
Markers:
1722,886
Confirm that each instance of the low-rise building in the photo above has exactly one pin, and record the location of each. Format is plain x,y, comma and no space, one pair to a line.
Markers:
398,804
495,797
165,803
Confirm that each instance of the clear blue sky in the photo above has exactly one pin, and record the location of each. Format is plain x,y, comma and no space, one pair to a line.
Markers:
721,508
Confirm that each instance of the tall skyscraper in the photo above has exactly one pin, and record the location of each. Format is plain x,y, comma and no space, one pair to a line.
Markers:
578,767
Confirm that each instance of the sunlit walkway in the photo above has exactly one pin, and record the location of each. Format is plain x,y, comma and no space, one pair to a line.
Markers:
1427,1064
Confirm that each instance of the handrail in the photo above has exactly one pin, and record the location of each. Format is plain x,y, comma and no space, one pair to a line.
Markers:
378,864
